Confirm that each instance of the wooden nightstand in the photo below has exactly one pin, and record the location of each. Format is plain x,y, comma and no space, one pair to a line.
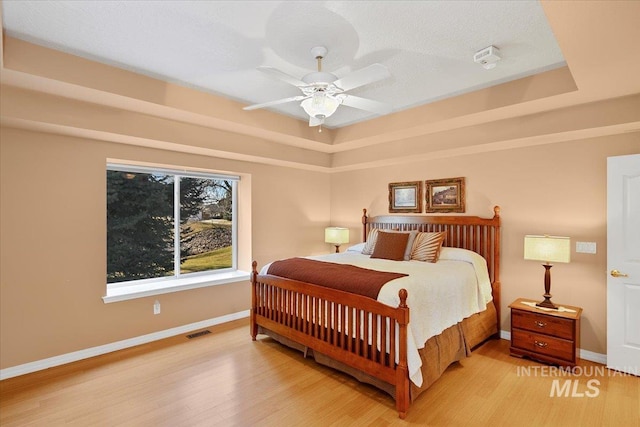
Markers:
547,336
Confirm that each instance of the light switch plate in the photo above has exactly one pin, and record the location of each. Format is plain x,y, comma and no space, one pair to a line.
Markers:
586,247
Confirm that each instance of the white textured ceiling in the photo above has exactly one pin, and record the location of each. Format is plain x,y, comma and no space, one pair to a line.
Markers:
215,46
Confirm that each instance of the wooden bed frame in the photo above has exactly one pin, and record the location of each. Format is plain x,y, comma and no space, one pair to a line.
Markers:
337,324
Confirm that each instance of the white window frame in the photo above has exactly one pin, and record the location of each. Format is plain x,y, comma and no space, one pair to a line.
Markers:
121,291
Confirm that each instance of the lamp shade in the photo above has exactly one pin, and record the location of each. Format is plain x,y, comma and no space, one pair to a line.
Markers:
547,248
336,235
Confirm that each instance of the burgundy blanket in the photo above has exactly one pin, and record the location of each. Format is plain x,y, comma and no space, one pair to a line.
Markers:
344,277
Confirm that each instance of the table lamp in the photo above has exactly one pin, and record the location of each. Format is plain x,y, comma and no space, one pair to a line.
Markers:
548,249
336,236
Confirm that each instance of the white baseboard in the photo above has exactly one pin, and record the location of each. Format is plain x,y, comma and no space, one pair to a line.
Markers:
50,362
593,357
584,354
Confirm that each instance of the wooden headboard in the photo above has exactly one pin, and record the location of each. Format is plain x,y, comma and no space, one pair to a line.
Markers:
481,235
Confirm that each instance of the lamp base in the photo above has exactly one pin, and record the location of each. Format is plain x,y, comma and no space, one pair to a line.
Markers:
337,248
547,289
547,303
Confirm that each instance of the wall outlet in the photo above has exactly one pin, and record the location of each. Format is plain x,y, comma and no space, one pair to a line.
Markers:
156,307
586,247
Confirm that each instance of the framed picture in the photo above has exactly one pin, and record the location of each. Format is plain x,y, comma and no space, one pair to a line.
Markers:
405,197
445,195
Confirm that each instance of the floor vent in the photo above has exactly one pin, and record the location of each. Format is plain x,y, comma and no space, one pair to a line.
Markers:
198,334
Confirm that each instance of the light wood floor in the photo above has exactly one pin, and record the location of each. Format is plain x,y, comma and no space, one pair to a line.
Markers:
225,379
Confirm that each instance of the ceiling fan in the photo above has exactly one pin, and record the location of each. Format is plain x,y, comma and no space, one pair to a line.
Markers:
323,93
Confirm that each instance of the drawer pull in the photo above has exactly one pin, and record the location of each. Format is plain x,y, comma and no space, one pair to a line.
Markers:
540,324
541,344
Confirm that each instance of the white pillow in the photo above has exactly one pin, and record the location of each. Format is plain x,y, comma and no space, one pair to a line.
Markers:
356,248
459,254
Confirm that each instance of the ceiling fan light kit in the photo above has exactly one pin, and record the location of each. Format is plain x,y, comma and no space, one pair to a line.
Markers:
320,105
323,92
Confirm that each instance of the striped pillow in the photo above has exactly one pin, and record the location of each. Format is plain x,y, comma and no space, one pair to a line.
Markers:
426,246
371,242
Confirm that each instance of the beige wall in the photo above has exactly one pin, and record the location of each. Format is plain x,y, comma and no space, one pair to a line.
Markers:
296,180
53,234
554,189
53,245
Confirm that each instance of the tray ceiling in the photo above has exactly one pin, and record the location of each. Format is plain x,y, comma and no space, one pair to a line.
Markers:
215,47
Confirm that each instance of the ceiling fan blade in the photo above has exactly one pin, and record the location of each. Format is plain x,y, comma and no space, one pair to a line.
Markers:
274,72
366,104
314,121
364,76
276,102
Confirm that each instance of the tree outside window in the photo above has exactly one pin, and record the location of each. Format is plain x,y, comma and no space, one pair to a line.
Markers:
143,208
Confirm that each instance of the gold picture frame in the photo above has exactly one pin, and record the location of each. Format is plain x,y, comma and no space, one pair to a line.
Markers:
405,197
445,195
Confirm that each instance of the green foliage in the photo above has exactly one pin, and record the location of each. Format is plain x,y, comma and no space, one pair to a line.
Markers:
192,196
139,226
140,223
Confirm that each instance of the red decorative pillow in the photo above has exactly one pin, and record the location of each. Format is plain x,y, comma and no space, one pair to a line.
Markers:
390,246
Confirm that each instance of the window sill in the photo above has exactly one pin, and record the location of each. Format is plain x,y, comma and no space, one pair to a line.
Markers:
164,287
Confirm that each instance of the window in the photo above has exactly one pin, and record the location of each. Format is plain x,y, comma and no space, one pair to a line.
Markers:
165,226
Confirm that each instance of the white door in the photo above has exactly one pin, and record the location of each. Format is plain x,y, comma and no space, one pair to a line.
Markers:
623,263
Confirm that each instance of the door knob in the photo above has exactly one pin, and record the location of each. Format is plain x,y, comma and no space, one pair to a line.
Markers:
616,273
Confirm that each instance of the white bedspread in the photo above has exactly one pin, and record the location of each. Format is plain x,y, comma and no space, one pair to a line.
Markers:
439,294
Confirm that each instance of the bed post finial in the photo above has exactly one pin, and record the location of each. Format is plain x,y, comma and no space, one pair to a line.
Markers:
496,211
402,293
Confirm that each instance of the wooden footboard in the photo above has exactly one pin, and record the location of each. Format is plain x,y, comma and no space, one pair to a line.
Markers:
355,330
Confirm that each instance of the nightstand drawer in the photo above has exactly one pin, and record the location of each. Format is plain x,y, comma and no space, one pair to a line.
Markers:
541,324
543,344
